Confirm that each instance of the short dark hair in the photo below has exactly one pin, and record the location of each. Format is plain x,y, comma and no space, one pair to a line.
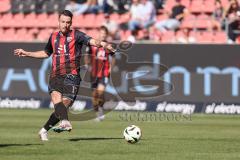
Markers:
66,13
104,28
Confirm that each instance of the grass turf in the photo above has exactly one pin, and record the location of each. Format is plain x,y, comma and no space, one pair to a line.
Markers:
203,137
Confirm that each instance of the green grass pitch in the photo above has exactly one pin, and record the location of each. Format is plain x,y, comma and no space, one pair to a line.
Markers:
204,137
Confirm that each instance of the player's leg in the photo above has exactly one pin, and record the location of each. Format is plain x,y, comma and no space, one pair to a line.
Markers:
101,100
59,114
54,89
65,124
95,98
69,95
54,119
94,84
100,97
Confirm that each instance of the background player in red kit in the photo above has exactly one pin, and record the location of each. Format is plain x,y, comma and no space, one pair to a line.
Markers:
100,71
65,48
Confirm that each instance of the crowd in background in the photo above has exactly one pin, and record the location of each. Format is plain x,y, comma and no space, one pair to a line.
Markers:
143,16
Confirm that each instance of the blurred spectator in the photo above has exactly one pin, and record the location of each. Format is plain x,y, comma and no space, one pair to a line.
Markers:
122,6
148,13
217,15
93,6
154,34
232,18
133,36
39,6
77,8
146,35
16,6
143,14
175,18
135,12
158,4
107,6
186,37
112,27
28,6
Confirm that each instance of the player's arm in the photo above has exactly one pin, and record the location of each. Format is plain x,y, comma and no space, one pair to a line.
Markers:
103,44
85,39
37,54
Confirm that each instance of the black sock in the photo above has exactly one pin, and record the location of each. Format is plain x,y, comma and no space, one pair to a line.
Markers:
52,121
61,111
101,100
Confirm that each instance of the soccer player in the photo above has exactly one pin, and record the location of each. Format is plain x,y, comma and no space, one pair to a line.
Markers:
65,48
100,71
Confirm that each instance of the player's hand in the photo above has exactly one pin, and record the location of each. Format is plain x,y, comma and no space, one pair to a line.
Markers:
110,47
20,53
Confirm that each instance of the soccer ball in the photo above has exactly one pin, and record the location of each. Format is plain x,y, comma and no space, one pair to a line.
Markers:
132,134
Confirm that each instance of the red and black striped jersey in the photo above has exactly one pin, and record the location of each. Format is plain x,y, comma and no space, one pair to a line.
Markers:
66,51
99,61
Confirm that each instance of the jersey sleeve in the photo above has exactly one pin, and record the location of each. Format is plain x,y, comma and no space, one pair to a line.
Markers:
48,48
82,38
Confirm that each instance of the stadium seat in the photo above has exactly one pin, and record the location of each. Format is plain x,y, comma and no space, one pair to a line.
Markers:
33,31
30,20
42,20
162,17
115,17
203,21
78,21
168,5
89,21
5,6
186,3
7,20
43,35
220,37
93,33
1,33
9,35
124,18
52,20
18,20
168,37
196,6
189,21
225,2
204,37
23,35
208,6
99,20
179,34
